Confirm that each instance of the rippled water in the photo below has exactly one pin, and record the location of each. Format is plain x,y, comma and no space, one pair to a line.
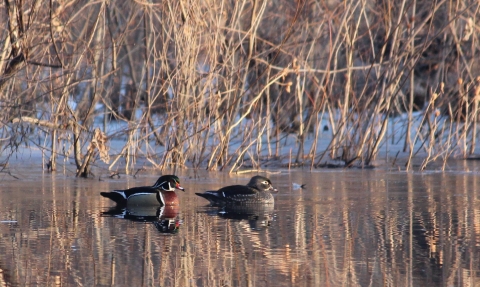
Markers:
345,228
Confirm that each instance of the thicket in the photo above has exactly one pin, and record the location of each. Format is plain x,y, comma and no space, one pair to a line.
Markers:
194,76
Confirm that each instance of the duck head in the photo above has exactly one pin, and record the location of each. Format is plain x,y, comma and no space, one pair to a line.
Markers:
261,183
168,183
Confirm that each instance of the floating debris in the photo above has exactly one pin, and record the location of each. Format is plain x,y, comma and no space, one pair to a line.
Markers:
298,186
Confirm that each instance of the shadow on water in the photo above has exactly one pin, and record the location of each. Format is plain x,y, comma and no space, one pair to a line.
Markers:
344,228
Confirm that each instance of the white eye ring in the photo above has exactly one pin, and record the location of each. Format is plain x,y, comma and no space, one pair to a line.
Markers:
265,182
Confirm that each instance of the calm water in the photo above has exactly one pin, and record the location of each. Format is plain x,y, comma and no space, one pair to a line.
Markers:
346,228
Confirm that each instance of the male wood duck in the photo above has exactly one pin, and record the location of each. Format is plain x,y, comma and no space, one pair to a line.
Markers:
161,193
258,190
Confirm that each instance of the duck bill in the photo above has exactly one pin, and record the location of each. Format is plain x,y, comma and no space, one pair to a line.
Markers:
274,190
179,187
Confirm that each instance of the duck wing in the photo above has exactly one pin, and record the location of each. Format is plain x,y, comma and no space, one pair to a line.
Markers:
121,196
137,191
230,194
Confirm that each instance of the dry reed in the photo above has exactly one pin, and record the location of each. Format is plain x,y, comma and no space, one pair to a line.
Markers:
216,84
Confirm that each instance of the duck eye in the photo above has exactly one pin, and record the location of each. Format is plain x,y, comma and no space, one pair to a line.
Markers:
265,182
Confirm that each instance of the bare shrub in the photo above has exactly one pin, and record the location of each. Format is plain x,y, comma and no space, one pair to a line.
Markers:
217,84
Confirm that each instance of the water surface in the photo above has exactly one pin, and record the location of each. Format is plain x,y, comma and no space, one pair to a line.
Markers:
346,228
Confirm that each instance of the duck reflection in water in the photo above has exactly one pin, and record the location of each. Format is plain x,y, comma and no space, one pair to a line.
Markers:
165,218
259,216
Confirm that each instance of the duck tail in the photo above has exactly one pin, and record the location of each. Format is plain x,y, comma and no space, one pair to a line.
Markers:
115,196
212,198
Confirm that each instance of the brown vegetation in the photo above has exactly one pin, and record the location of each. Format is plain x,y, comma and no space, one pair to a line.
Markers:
196,76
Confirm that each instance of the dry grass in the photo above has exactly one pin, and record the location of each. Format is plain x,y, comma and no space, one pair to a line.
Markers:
219,83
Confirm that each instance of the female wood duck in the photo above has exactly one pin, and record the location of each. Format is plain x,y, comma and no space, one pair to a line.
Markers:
161,193
256,191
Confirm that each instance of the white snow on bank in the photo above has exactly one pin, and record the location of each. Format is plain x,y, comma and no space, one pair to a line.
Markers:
282,149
